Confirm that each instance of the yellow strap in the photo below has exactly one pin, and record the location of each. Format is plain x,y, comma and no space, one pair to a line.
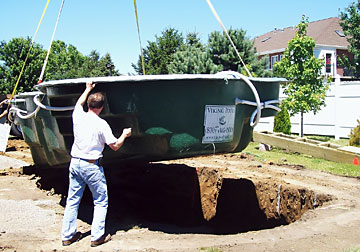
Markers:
141,52
27,56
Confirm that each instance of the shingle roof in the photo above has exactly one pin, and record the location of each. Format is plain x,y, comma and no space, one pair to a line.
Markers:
323,32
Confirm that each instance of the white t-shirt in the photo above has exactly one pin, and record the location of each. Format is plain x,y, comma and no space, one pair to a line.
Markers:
91,133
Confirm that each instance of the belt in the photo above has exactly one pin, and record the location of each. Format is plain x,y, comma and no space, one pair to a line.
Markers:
93,161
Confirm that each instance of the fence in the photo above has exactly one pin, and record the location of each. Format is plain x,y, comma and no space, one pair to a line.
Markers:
336,119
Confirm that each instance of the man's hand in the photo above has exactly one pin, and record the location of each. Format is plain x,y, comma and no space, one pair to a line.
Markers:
90,85
127,132
82,99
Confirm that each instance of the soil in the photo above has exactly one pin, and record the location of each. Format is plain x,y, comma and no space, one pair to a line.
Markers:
225,201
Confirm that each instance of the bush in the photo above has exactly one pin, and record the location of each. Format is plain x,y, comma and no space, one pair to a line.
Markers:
355,135
282,121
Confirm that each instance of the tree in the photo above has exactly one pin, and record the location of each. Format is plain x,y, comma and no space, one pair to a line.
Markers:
192,58
158,54
12,57
350,25
306,88
65,62
95,65
355,135
282,121
223,54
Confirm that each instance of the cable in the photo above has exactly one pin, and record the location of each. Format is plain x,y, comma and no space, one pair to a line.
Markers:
31,45
228,36
138,29
52,39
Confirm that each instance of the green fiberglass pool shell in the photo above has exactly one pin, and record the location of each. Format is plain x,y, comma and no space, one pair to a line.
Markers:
171,116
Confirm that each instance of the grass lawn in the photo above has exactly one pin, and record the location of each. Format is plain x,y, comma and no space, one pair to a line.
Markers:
280,156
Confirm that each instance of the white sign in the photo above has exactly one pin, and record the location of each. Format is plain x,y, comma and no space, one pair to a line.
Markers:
4,136
219,123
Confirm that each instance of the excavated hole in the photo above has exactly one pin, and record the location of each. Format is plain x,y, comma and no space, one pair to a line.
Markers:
180,198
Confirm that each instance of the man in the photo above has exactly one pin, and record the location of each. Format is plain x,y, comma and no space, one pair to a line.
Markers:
91,133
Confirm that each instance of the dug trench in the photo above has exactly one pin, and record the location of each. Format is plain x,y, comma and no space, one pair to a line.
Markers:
190,196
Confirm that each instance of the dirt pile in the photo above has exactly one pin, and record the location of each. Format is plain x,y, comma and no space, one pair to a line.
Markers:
183,205
194,191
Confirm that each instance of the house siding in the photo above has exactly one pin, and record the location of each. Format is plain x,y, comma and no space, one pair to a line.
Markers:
329,44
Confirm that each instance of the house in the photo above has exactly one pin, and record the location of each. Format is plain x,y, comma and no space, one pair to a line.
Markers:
330,42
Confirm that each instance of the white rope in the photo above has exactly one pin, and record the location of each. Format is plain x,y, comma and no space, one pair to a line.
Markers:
238,75
52,39
263,105
227,34
20,112
37,101
23,114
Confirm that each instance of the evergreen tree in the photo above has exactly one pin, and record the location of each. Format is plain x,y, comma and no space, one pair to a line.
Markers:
355,135
158,54
223,54
192,58
282,121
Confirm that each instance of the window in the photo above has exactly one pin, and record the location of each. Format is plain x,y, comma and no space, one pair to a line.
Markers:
328,63
281,56
265,39
273,60
340,33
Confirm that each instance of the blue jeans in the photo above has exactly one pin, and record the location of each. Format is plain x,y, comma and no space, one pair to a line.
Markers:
82,173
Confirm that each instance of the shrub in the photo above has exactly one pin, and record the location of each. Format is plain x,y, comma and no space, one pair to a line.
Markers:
282,121
355,135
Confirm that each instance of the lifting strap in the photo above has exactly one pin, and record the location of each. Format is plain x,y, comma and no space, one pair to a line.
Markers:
138,29
52,39
227,34
27,56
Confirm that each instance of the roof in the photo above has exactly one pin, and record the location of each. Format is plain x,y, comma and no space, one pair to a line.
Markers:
326,32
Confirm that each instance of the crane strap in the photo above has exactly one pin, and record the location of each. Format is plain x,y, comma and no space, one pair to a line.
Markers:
138,29
31,46
52,39
227,34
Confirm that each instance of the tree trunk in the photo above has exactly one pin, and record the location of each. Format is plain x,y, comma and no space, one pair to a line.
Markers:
301,123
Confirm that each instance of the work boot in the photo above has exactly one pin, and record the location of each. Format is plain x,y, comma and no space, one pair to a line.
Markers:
103,239
73,239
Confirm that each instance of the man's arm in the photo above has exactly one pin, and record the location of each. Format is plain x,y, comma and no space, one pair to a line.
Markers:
126,133
82,99
6,110
4,113
4,101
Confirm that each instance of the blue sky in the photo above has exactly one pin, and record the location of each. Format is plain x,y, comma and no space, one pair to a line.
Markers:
110,25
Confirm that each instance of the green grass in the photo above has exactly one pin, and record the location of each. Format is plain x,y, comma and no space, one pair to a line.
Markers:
279,156
344,142
210,249
352,250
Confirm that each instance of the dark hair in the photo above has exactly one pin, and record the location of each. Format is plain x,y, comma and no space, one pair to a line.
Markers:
95,100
